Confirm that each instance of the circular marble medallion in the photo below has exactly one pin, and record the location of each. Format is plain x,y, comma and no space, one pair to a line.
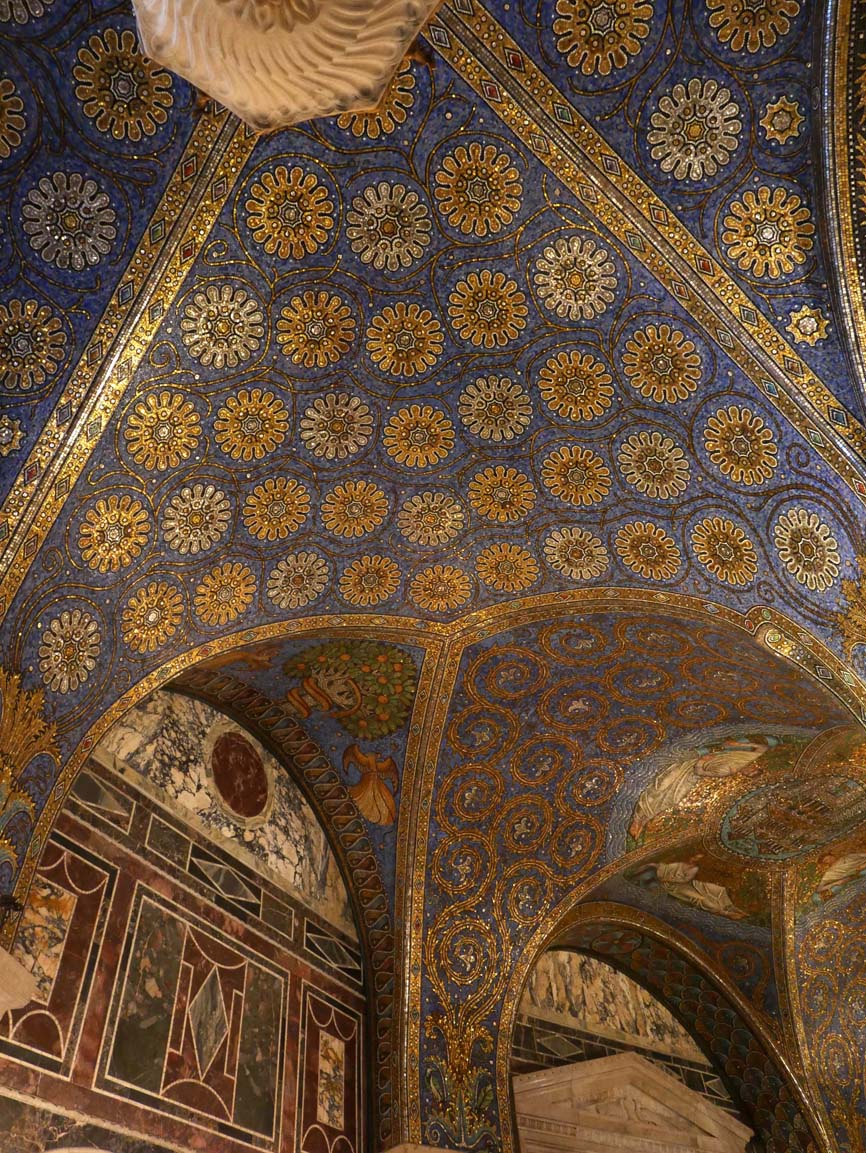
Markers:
239,775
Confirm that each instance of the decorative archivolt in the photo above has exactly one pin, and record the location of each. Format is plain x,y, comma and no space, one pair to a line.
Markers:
280,62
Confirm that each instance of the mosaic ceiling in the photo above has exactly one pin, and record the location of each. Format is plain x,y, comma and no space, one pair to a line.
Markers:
312,425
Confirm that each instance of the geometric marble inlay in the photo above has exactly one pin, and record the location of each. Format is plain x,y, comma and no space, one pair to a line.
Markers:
207,1016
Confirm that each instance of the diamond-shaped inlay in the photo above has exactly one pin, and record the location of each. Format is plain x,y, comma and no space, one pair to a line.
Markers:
838,417
823,672
94,353
64,412
226,881
30,547
635,241
769,386
538,142
658,214
189,169
860,487
588,193
612,165
514,60
4,530
61,488
490,90
748,315
816,438
157,231
208,1021
93,428
724,338
220,188
793,366
187,250
156,310
124,369
464,6
563,114
679,290
704,264
439,36
126,291
31,472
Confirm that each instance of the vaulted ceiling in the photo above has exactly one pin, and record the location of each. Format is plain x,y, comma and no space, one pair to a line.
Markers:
569,325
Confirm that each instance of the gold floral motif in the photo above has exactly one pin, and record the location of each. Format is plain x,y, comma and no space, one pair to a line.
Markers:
807,325
316,329
577,475
69,650
741,445
162,430
431,518
391,110
419,436
576,553
297,580
722,547
122,91
488,309
807,549
251,424
662,363
768,232
336,425
575,278
11,435
478,189
782,120
31,344
225,593
276,507
599,36
113,533
507,568
654,465
495,408
354,509
289,213
388,226
575,385
222,326
695,130
440,588
25,734
751,25
12,122
501,493
369,581
405,339
196,518
151,616
648,550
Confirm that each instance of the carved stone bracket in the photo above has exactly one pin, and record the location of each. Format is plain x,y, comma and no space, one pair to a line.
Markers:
278,62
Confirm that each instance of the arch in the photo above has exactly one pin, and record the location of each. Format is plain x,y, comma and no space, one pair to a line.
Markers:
464,1010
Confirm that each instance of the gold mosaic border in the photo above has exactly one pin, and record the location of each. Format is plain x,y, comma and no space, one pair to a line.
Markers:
840,155
199,187
482,52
